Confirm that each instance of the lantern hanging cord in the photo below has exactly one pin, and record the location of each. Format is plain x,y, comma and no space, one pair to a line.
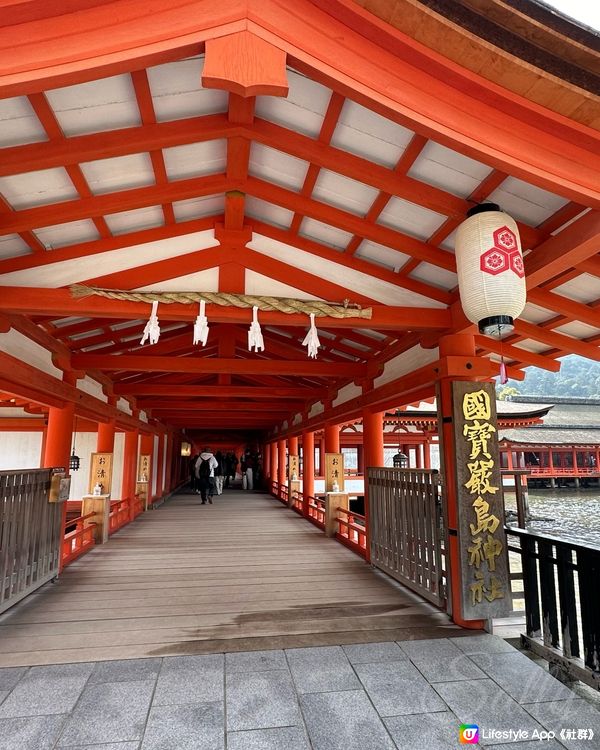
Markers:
280,304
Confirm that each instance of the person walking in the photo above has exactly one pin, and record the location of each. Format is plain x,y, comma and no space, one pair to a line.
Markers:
219,469
205,474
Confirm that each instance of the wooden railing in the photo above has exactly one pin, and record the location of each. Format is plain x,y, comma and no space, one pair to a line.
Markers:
120,515
562,625
352,531
298,502
316,511
78,541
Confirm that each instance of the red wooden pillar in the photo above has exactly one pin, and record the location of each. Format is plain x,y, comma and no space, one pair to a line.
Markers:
360,460
106,437
281,462
462,345
130,467
427,455
57,451
160,464
373,456
168,484
267,466
322,456
293,446
308,466
274,462
332,440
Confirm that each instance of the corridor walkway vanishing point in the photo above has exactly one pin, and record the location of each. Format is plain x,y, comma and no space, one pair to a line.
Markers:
242,574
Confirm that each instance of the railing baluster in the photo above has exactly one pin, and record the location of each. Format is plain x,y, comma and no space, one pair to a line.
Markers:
548,590
530,587
588,564
568,607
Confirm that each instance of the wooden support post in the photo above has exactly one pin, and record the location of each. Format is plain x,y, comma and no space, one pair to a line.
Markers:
274,461
58,450
106,437
322,456
159,465
281,462
293,446
308,469
453,345
130,467
373,448
332,438
168,480
99,505
360,459
333,501
427,455
267,464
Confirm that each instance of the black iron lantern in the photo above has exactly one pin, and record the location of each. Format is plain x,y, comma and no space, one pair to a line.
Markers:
400,460
74,460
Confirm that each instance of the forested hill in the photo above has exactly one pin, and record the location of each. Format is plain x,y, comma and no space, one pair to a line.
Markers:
577,377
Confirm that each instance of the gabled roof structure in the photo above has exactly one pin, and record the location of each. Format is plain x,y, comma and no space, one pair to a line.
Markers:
314,150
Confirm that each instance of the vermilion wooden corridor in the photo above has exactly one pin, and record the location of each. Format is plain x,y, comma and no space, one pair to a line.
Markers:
242,574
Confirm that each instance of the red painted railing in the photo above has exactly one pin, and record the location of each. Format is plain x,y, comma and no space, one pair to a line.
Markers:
351,531
316,511
79,540
298,502
119,515
581,471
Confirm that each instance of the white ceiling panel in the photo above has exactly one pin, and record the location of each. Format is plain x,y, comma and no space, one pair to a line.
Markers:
198,208
534,314
37,188
344,193
177,91
531,346
361,283
408,361
410,218
199,281
526,202
19,123
449,242
578,330
118,173
449,170
381,255
257,283
277,167
133,221
268,212
12,245
195,159
584,288
328,235
302,110
71,233
370,135
105,104
78,269
435,276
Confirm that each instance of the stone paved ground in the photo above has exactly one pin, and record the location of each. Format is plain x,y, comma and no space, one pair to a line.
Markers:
376,696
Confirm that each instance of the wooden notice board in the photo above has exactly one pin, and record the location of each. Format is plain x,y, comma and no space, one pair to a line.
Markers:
144,468
101,472
334,471
293,467
481,538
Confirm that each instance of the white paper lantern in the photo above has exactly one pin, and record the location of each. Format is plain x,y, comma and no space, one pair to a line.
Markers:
491,276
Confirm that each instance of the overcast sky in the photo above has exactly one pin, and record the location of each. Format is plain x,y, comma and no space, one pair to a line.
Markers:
586,11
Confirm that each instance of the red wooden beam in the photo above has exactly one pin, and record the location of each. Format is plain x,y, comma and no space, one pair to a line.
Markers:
60,302
204,365
215,391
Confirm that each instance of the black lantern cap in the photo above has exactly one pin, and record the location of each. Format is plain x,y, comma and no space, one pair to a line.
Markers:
481,208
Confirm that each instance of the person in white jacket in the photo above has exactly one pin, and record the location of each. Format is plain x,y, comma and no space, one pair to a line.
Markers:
205,474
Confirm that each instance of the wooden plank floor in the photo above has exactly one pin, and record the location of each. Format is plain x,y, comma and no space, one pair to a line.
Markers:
245,573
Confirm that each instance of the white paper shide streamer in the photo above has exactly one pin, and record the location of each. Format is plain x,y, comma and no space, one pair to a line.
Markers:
152,329
255,337
201,326
311,340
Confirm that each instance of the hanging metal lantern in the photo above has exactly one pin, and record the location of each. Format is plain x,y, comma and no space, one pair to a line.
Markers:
400,460
491,275
74,461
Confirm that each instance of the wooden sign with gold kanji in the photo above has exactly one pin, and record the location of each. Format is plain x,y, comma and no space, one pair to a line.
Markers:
101,472
334,471
482,542
144,468
293,468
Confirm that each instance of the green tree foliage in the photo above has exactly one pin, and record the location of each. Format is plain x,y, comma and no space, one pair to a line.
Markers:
578,377
506,392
